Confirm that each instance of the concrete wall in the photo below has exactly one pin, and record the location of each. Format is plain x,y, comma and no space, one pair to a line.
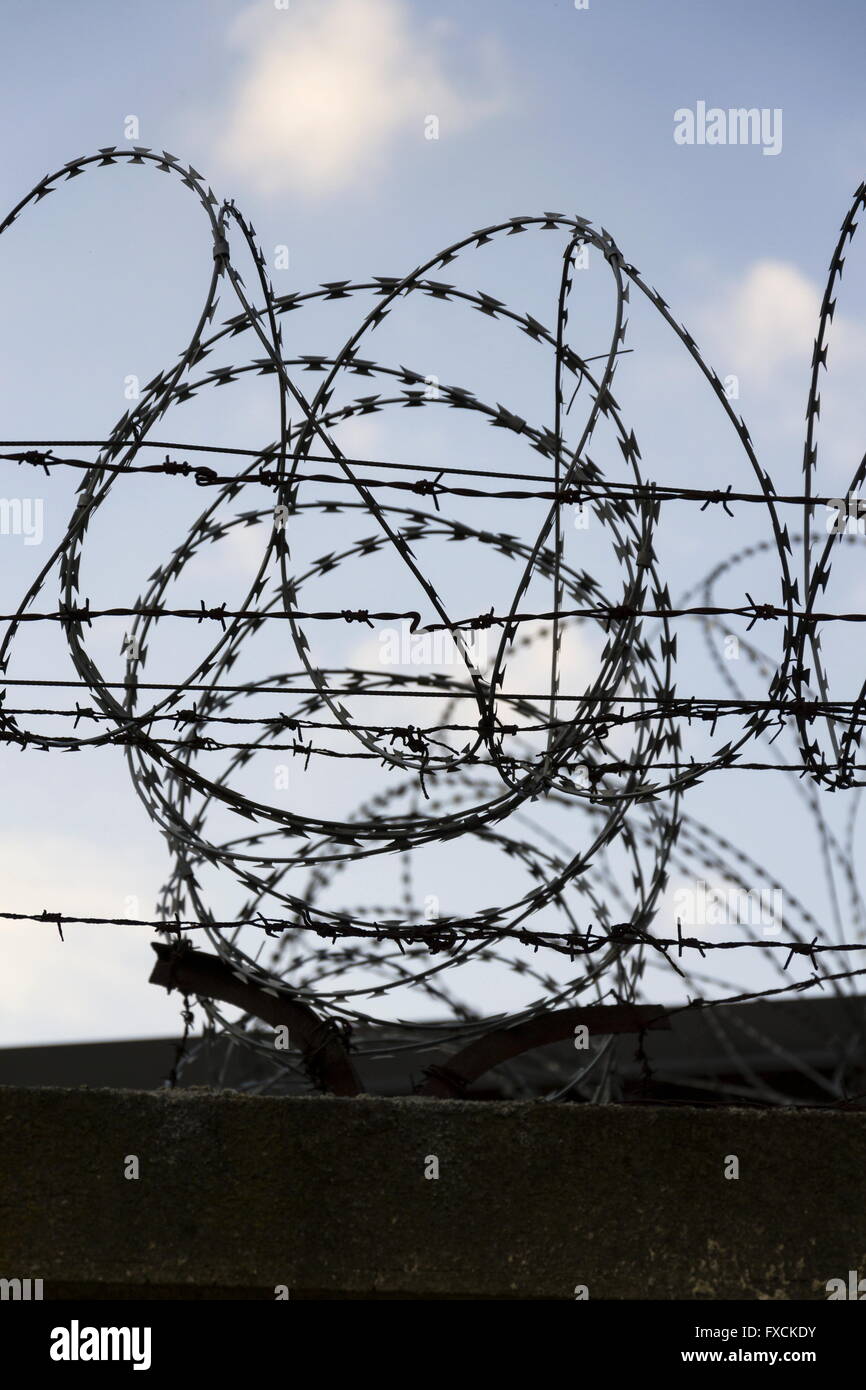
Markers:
237,1195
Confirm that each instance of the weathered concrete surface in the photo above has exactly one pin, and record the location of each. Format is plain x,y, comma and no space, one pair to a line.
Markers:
237,1195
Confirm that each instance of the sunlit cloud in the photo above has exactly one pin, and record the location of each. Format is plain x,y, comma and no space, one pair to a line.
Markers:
327,89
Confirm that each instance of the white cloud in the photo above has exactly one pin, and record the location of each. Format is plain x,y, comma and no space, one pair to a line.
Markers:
328,87
762,328
527,666
529,663
768,321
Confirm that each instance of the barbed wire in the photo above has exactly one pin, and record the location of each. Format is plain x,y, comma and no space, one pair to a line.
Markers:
208,477
530,773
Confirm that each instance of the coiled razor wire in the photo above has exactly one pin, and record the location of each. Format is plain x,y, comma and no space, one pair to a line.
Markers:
490,769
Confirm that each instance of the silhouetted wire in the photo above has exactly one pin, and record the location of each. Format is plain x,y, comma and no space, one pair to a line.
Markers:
493,788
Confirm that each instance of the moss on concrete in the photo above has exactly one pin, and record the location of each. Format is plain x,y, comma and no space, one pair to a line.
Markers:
239,1194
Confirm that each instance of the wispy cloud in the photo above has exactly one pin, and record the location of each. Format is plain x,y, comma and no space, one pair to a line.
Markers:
767,322
762,327
327,89
770,319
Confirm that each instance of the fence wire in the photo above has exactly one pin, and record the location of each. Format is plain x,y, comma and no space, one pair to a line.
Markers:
538,779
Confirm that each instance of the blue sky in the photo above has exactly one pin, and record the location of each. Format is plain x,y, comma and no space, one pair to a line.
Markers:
313,118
